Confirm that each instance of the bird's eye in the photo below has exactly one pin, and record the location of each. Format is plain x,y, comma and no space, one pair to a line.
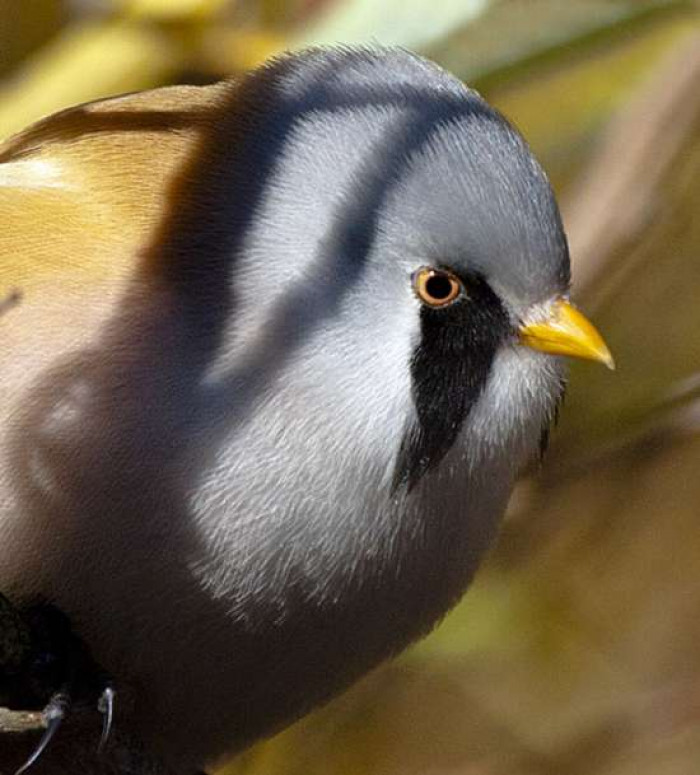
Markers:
436,287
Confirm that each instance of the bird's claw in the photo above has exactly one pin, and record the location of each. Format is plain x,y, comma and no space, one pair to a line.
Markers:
54,713
106,707
42,662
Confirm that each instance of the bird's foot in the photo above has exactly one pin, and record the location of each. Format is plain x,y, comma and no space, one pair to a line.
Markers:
54,713
43,663
105,705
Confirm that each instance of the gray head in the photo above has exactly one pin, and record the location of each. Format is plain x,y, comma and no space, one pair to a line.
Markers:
385,167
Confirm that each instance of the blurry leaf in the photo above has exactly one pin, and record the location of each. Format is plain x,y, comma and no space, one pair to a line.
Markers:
86,62
649,278
24,26
515,33
563,102
277,13
226,50
412,23
172,10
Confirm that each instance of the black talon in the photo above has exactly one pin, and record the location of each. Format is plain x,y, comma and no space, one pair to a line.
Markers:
54,714
106,707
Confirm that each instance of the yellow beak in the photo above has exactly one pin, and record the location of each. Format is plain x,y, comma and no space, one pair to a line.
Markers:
563,330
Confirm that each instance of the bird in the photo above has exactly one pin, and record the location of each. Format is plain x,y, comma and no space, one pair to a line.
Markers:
274,351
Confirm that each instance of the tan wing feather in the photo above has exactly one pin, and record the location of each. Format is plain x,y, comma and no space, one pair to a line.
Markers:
81,194
84,182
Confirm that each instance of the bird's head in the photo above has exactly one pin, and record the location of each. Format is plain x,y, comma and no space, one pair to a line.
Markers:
406,261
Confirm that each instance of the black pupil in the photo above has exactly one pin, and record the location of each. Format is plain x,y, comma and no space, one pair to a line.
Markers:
439,287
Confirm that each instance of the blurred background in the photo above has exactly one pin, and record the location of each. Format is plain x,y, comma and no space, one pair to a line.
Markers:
578,648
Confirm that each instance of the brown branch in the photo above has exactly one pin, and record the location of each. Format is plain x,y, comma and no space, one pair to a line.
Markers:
20,722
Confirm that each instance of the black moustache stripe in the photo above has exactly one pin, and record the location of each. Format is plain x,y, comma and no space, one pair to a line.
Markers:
449,370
